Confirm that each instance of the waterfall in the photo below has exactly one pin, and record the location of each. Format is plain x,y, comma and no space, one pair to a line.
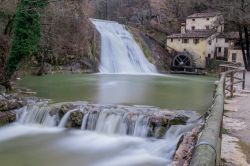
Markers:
119,51
36,114
120,133
65,119
118,121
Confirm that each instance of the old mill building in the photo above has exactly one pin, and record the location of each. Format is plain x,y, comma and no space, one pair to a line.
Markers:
202,38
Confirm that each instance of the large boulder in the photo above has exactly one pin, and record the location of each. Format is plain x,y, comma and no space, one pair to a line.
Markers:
76,119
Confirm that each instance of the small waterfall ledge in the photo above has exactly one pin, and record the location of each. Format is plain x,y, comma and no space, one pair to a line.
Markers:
119,51
156,131
140,121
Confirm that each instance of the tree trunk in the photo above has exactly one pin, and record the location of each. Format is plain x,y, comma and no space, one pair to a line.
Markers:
242,46
6,83
247,38
8,28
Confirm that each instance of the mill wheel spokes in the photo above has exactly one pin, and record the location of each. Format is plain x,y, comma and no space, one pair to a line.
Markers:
182,60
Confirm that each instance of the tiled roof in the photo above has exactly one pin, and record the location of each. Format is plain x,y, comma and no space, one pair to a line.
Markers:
206,14
229,35
194,34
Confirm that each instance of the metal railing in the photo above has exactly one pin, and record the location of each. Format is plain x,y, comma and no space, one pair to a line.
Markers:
208,148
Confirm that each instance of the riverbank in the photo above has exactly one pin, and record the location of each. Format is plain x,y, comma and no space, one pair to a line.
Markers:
236,133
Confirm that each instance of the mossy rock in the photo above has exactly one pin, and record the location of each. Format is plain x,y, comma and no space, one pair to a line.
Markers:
3,106
178,120
76,117
64,109
7,117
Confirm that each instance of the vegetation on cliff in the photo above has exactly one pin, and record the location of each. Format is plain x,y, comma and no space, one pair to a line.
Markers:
65,39
27,34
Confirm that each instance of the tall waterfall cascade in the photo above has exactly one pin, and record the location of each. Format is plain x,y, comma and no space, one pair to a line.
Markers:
119,51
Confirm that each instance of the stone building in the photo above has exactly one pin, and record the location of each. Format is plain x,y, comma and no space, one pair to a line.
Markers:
202,37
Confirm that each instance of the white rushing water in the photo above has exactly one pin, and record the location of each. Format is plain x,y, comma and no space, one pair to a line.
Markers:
102,141
119,51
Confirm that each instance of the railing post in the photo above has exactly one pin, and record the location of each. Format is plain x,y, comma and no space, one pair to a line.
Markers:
244,80
224,87
232,84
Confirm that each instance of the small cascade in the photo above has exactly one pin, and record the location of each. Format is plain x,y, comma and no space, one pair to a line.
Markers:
119,51
139,121
118,121
111,128
122,120
65,119
36,114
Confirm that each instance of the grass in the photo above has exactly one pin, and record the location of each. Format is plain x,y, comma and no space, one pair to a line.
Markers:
224,131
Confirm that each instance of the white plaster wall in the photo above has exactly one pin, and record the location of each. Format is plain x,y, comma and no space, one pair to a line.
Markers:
211,48
198,51
201,23
221,42
239,58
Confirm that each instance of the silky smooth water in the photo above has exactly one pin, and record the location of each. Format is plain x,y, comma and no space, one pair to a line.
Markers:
35,139
119,51
37,146
172,92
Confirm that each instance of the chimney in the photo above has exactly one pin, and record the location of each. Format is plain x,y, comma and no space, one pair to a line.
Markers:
183,28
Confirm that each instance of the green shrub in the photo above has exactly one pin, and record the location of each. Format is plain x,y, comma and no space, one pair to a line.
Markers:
27,33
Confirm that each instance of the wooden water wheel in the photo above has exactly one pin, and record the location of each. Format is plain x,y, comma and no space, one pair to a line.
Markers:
182,60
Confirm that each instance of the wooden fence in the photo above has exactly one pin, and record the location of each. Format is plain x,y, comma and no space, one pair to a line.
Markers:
208,148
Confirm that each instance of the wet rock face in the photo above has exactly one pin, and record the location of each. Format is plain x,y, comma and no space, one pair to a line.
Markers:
159,124
64,109
11,102
76,118
7,117
185,150
157,121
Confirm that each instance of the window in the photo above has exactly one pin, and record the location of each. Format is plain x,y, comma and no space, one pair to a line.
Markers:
184,40
208,19
210,42
196,41
234,57
226,40
209,56
193,27
219,49
207,27
193,19
172,40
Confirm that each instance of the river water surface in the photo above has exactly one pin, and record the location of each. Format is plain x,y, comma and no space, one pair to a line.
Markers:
35,144
171,91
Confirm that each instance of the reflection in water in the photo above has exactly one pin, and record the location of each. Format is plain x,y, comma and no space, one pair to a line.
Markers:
172,92
121,90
